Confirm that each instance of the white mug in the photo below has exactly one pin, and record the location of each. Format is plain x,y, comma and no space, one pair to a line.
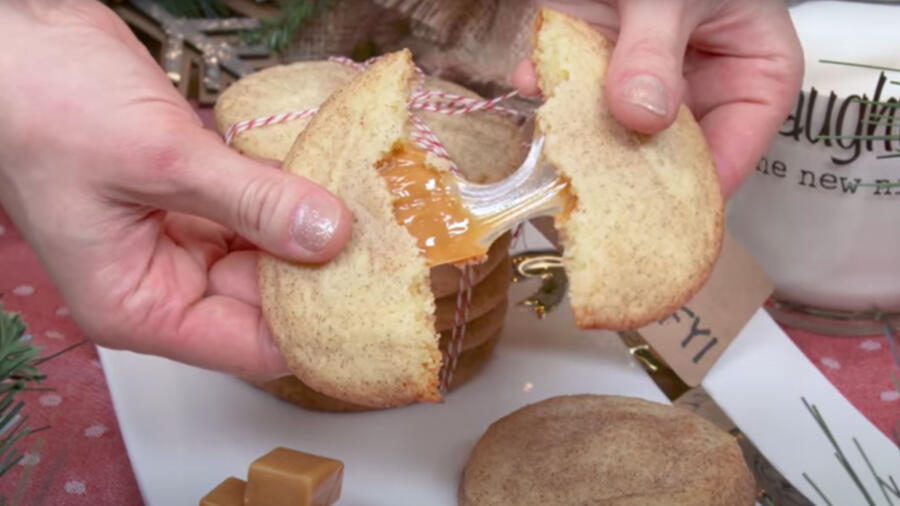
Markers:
817,211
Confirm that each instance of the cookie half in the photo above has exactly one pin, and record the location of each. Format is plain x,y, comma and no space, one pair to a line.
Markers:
647,222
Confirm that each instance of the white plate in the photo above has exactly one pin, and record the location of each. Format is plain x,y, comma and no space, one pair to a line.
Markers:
760,382
187,429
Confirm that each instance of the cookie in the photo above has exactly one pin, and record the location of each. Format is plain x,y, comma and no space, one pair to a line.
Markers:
479,329
485,296
646,227
445,278
605,450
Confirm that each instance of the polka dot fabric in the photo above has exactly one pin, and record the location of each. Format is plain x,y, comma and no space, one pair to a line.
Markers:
81,459
860,368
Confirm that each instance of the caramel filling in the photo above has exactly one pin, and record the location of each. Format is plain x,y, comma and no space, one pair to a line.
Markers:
568,200
426,204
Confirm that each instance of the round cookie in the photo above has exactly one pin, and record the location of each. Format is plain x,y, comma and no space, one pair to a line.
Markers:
605,450
480,329
294,391
445,278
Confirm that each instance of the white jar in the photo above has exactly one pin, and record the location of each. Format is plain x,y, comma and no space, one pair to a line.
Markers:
812,213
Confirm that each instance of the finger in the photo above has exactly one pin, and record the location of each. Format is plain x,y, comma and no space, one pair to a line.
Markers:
289,216
235,276
738,134
743,103
223,334
206,241
238,243
744,89
268,161
524,79
644,83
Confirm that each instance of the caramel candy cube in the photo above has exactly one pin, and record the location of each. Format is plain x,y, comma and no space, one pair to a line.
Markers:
285,477
228,493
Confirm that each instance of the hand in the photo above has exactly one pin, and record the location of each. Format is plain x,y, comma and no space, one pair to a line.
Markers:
143,219
737,64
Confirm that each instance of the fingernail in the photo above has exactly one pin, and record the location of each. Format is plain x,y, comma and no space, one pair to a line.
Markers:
315,222
648,92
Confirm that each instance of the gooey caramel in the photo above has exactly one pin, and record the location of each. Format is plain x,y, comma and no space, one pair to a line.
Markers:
425,203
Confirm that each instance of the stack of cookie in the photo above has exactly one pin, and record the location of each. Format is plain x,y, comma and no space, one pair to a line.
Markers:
485,147
484,324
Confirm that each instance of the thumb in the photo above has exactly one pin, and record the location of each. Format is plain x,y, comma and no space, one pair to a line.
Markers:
284,214
644,82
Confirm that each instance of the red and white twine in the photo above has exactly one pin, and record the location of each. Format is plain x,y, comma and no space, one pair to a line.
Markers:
421,134
460,320
243,126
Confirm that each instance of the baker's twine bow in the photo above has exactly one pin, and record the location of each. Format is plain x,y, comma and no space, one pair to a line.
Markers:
421,134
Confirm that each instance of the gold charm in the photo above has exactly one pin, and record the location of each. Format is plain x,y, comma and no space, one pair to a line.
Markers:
548,267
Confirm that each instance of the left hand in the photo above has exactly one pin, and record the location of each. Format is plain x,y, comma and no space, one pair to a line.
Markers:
146,222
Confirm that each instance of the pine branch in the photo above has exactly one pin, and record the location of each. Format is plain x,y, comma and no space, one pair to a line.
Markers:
887,486
277,33
19,359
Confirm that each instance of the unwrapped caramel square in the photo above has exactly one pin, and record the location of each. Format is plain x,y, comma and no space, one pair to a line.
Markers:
285,477
228,493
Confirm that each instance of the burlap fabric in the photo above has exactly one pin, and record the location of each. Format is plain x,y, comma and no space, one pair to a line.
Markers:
476,43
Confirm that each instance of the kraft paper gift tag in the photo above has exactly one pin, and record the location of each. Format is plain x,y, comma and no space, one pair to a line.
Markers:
695,336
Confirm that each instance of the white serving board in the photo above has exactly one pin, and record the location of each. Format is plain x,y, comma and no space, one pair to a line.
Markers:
187,429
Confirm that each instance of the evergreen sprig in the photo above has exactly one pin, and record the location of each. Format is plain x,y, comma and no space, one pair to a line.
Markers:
18,370
278,32
886,485
19,361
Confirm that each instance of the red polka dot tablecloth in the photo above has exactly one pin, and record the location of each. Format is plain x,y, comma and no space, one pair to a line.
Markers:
81,459
860,368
